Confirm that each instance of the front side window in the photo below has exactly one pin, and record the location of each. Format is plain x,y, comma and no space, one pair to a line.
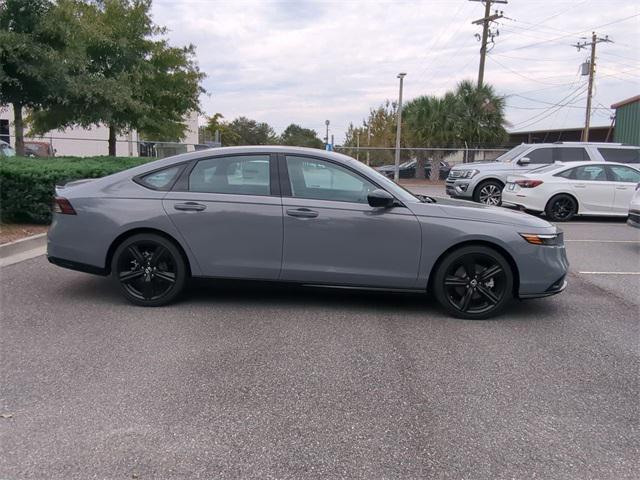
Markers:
321,180
624,174
589,173
161,179
540,155
239,175
620,155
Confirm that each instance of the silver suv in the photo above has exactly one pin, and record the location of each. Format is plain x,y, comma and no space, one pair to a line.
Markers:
483,182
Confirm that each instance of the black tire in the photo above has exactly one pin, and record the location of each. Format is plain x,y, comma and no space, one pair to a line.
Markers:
489,192
473,283
149,270
561,208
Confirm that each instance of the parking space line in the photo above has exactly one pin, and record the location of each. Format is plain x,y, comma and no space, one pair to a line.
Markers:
610,273
604,241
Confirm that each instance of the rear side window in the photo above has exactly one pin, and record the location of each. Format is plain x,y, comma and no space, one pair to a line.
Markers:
620,155
160,179
238,175
570,154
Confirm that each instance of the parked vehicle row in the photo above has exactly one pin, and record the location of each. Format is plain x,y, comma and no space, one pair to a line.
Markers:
301,216
31,149
408,170
483,182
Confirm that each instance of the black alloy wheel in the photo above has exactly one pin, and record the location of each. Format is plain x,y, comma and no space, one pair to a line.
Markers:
489,193
561,208
474,282
149,270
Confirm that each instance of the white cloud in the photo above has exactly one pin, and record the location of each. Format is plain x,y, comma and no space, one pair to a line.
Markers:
304,62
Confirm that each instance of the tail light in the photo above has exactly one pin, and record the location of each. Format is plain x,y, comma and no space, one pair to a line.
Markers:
529,183
63,206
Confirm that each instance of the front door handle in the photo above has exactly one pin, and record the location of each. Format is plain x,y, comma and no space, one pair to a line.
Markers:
622,188
190,207
582,185
302,213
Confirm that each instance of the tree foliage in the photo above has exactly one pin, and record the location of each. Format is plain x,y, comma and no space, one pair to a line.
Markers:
241,131
296,135
129,77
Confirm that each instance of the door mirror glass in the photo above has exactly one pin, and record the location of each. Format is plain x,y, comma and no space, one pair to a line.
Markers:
524,161
380,198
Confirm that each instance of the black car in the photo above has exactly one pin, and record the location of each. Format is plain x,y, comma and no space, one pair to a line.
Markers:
408,170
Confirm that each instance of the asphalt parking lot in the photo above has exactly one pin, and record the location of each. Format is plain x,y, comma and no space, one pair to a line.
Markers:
238,381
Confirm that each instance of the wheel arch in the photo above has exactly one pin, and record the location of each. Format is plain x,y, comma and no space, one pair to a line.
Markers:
485,180
501,250
568,194
135,231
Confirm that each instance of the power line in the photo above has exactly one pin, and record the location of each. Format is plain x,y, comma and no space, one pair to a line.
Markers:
487,33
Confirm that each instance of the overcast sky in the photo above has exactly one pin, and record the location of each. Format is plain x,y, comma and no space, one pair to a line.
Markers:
304,62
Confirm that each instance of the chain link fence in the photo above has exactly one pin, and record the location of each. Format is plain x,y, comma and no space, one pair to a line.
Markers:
379,156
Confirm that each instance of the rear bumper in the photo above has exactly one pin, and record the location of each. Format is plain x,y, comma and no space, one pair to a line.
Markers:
80,267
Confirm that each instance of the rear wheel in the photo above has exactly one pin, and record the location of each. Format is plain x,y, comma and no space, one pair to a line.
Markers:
473,282
489,192
149,269
561,208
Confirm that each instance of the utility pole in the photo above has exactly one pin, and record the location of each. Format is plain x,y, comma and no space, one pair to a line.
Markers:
486,32
592,71
396,172
368,145
358,146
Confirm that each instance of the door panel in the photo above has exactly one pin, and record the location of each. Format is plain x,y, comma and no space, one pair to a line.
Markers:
230,215
344,242
625,180
592,189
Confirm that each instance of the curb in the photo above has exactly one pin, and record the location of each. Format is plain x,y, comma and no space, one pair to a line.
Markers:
23,245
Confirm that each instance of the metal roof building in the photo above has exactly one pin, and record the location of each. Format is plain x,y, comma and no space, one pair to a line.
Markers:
627,128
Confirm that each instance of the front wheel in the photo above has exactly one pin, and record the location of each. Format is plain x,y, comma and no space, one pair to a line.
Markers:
489,193
149,270
474,283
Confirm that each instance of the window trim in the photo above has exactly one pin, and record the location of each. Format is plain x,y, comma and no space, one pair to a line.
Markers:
139,179
285,182
182,185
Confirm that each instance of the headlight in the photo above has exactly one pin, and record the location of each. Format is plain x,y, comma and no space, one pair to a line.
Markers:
543,238
468,173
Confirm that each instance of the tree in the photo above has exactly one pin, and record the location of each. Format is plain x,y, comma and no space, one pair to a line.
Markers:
244,131
130,78
301,137
431,122
34,61
381,125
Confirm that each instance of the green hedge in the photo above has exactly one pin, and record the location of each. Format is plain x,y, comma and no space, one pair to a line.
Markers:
27,184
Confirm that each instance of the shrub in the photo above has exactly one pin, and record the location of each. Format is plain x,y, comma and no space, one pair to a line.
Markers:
27,185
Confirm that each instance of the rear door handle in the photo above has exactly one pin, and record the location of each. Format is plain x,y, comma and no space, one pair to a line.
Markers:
582,185
622,188
190,207
302,213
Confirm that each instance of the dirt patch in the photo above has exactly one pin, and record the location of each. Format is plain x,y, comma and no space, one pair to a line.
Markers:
15,231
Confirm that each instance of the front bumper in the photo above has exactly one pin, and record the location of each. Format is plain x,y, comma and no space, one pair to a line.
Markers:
554,289
634,218
459,188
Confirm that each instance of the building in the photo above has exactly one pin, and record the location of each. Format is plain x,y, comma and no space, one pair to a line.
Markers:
627,121
596,134
89,142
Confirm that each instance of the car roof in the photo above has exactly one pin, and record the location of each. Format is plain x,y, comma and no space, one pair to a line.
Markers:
567,165
580,144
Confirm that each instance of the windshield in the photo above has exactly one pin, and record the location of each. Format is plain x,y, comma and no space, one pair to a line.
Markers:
511,154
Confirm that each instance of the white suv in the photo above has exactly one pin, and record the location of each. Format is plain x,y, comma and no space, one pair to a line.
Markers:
483,181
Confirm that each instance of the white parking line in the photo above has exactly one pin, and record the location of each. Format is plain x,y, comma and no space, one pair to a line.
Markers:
604,241
610,273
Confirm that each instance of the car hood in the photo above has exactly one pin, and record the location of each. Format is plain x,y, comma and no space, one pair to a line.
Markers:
485,166
386,168
463,210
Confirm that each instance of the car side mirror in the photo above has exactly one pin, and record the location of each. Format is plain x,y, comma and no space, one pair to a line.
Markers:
380,198
524,161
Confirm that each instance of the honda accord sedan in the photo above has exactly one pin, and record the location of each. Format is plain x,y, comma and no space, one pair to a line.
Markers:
301,216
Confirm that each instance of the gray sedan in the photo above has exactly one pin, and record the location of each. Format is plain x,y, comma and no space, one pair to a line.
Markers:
302,216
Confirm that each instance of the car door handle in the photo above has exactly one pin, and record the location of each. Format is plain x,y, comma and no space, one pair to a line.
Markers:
582,185
302,213
190,207
622,188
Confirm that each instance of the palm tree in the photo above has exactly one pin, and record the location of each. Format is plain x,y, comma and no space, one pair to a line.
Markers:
431,122
480,115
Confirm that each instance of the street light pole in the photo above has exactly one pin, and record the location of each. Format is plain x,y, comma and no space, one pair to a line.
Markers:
326,138
396,172
358,146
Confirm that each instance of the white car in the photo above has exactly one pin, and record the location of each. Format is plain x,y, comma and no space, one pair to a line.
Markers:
634,209
563,190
